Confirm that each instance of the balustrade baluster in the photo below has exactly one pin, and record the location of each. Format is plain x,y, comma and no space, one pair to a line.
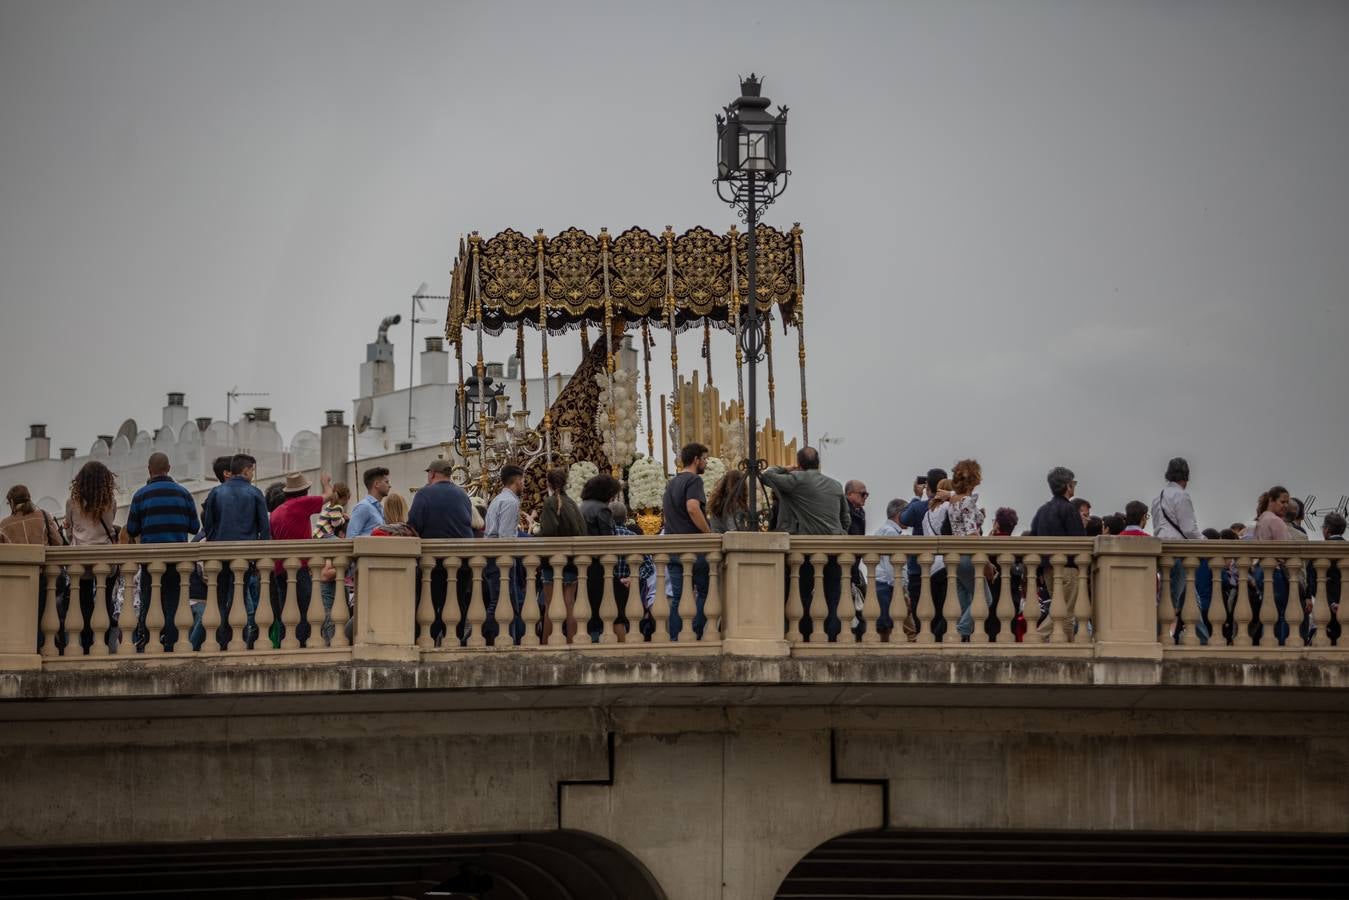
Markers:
660,606
630,609
712,608
1294,613
557,611
290,609
453,617
504,614
871,603
211,617
238,613
530,599
313,615
99,623
1086,629
425,612
477,608
608,603
1166,611
846,610
1321,604
1269,613
340,615
1217,604
926,611
1005,600
819,606
1058,611
264,617
182,614
581,609
1189,609
979,608
125,627
795,612
154,614
51,621
1030,601
1243,613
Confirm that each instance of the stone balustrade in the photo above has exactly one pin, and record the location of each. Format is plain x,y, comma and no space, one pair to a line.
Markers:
765,595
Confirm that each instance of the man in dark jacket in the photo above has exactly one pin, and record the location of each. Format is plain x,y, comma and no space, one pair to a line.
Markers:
236,511
1058,518
855,492
439,510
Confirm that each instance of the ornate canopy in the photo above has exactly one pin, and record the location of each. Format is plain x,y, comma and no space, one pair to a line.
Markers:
575,278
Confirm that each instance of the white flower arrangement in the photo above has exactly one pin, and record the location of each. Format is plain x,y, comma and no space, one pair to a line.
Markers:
646,483
716,469
578,475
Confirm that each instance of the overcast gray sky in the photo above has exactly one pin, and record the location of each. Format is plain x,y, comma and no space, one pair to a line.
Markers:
1037,233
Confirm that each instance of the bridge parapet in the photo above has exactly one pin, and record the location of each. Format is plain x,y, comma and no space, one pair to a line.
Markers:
740,595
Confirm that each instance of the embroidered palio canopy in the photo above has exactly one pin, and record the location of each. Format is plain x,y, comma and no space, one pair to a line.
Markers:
576,278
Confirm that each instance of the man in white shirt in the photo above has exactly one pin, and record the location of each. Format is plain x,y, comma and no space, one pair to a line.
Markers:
885,569
503,521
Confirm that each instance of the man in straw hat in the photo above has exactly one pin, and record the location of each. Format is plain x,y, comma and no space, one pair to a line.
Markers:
292,521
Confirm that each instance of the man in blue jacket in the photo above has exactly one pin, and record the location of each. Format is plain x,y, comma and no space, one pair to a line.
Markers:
237,511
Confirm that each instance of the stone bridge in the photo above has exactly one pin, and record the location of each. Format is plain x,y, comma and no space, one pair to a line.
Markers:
1104,758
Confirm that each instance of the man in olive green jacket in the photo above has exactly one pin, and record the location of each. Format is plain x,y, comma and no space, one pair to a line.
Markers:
810,502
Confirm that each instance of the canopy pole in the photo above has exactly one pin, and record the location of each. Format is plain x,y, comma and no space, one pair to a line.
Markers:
585,339
614,468
664,436
739,351
461,412
707,348
800,272
543,333
482,372
674,343
646,365
768,352
520,361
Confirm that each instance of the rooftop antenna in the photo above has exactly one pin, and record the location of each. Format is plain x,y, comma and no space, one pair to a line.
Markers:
234,394
418,308
827,440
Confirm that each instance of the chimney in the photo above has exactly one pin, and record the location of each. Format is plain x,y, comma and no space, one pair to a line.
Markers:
175,412
496,371
262,414
38,445
435,362
67,453
377,370
333,446
203,423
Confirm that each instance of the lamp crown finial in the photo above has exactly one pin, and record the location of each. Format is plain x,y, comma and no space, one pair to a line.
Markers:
750,87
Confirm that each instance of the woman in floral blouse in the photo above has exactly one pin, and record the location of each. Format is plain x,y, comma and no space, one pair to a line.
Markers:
967,520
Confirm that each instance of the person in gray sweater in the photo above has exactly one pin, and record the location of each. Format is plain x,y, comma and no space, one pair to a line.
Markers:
810,502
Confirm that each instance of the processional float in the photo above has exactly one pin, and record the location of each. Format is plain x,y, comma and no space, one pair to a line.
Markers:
574,280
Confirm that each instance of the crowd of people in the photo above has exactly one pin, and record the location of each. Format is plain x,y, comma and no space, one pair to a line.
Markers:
799,500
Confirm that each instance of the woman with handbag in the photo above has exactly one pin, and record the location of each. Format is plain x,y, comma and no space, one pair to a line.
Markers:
89,519
26,524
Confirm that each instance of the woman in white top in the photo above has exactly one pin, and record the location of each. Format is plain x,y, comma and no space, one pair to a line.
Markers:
89,520
967,520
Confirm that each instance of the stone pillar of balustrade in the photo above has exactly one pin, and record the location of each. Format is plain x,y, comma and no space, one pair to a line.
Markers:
20,566
754,597
1124,597
386,592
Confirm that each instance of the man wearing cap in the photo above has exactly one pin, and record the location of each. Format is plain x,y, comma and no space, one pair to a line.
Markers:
291,522
442,509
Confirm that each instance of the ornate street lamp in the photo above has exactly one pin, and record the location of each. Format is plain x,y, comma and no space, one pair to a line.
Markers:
751,156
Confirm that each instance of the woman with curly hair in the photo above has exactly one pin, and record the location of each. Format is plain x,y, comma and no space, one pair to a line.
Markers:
728,507
967,520
89,520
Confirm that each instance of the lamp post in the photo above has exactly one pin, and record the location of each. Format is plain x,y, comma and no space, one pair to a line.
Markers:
751,155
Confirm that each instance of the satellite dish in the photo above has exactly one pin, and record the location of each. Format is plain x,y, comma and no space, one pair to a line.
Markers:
364,410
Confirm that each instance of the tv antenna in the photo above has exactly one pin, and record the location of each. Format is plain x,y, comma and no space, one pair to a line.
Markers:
1342,508
418,306
234,394
827,440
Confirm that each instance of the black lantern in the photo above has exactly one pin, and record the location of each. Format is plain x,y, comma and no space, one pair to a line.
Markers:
751,156
750,139
480,397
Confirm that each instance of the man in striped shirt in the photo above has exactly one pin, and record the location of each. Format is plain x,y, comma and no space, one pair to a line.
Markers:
162,512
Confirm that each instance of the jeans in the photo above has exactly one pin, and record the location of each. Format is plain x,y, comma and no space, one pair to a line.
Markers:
965,596
674,576
440,581
833,591
1280,604
304,593
328,594
169,589
515,582
225,597
1202,597
885,593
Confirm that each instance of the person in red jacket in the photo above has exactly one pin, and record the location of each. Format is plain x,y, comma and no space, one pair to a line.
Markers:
293,521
